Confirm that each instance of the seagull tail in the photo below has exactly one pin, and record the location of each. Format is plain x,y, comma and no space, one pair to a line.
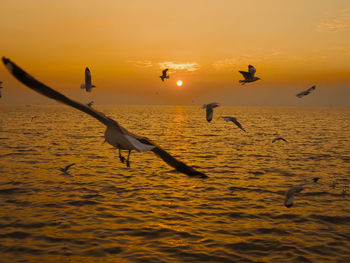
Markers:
179,166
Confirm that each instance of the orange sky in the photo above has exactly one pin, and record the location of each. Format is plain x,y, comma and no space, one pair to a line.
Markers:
292,44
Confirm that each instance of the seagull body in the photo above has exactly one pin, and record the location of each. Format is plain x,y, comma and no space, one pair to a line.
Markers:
234,120
248,76
306,92
115,134
87,85
0,88
296,189
209,110
65,169
279,139
164,75
90,103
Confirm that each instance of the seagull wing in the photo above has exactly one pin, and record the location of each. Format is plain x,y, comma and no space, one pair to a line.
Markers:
302,94
245,74
165,71
172,161
251,70
69,165
87,76
41,88
311,89
238,124
209,113
288,202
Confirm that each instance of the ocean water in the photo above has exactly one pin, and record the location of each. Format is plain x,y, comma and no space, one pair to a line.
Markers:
106,212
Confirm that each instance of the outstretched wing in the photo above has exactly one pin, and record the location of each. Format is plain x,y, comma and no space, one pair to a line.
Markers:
311,89
41,88
238,124
69,165
209,114
87,76
245,74
165,71
251,70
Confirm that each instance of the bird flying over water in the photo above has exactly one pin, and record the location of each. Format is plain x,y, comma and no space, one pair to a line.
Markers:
248,76
209,109
296,189
279,139
87,85
306,92
65,169
115,134
234,120
164,75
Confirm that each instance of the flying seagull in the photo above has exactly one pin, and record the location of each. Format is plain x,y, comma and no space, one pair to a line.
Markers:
209,108
87,85
115,134
234,120
0,88
65,169
278,139
296,189
164,75
306,92
248,76
90,103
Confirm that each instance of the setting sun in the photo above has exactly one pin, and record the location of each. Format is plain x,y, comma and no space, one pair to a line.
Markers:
179,83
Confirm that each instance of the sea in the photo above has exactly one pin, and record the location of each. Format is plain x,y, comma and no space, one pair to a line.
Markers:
104,211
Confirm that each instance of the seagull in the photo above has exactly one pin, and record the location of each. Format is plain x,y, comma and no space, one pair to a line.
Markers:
0,88
248,76
164,75
90,103
115,134
209,107
87,86
296,189
65,169
234,120
278,139
306,92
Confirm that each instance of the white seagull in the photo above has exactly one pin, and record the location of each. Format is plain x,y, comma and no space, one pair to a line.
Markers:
234,120
248,76
279,139
90,103
164,75
115,134
306,92
0,88
65,169
296,189
87,85
209,108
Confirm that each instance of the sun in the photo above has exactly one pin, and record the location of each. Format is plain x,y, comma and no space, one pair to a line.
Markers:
179,83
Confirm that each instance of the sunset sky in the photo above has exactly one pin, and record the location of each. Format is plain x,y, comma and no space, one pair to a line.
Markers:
127,43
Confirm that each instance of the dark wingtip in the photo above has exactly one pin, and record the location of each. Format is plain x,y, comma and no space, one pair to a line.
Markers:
316,179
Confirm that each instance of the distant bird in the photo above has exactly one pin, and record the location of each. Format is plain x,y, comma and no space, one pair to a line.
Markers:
234,120
87,85
306,92
0,88
279,139
209,108
115,134
65,169
34,117
90,103
248,76
296,189
164,75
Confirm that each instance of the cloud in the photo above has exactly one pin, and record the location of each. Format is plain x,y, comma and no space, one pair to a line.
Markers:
142,63
189,66
339,23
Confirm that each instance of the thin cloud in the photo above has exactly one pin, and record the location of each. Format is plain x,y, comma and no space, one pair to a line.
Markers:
142,63
339,23
189,66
